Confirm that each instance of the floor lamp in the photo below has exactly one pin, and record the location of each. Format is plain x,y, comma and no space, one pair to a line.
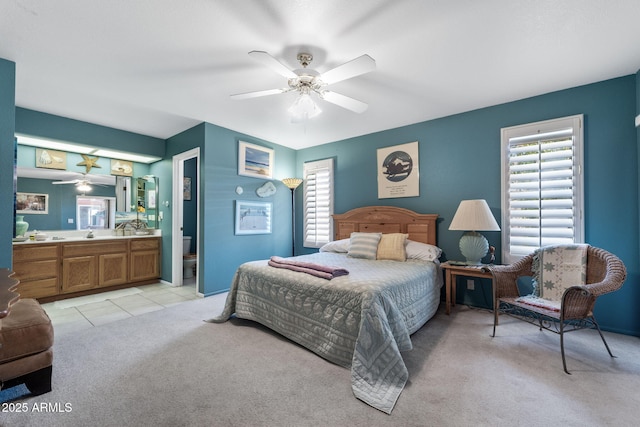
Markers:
293,183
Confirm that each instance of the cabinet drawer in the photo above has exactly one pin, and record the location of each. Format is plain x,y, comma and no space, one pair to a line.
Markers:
33,270
143,244
38,288
31,251
93,248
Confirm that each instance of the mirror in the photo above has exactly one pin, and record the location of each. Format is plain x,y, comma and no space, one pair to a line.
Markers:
146,198
62,198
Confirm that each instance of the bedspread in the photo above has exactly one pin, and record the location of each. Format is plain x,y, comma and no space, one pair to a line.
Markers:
362,321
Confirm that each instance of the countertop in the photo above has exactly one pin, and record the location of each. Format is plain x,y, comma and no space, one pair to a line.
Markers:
81,236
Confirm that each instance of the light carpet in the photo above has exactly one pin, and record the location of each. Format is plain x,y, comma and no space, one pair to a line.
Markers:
169,368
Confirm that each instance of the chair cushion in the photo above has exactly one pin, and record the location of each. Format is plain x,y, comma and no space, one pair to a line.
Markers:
26,330
557,268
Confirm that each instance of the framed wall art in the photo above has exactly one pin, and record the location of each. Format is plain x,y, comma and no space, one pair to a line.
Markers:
51,159
255,161
121,167
186,188
32,203
398,171
253,217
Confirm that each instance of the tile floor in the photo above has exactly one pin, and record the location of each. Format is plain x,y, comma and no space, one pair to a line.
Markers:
79,313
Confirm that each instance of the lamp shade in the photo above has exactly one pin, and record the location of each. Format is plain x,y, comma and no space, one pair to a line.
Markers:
304,108
474,215
292,183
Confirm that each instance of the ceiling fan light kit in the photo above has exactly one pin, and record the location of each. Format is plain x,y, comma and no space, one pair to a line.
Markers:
306,81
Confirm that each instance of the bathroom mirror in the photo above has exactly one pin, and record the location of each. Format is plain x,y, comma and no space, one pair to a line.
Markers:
146,200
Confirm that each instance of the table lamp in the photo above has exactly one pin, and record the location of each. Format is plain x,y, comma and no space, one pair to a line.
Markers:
473,216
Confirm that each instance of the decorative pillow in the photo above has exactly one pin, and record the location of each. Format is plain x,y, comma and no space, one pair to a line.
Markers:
338,246
391,246
364,245
422,251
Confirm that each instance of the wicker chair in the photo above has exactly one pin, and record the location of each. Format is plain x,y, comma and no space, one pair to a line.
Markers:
605,273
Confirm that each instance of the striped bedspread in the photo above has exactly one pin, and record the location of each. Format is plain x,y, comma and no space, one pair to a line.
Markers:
362,321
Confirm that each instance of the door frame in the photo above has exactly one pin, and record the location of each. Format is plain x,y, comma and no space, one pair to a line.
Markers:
178,215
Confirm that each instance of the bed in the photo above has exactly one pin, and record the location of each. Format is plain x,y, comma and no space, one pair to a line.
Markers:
362,320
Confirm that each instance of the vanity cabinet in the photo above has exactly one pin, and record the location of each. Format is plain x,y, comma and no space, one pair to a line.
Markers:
88,265
65,269
145,259
37,268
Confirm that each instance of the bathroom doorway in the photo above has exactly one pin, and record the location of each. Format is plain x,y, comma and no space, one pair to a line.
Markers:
186,218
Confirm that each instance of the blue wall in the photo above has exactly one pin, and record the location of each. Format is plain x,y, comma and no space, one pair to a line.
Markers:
460,159
221,251
7,155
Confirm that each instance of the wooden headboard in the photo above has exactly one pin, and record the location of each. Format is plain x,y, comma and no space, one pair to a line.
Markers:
386,219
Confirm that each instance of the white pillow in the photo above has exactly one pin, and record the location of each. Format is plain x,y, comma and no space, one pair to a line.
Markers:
338,246
422,251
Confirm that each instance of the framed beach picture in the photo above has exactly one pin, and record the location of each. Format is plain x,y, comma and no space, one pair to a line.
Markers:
31,203
253,217
255,161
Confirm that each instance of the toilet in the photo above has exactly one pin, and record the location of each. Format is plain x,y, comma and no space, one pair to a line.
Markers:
188,259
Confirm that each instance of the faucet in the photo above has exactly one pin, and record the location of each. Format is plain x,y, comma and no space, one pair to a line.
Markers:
90,234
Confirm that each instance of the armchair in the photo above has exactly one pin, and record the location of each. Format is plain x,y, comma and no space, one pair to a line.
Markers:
26,340
604,273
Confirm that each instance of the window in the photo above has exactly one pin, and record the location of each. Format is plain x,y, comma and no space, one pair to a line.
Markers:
542,186
318,203
95,212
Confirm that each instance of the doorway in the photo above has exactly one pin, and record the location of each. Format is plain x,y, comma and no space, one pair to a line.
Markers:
181,194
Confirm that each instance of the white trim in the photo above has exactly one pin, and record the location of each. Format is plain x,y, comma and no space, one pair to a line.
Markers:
177,214
524,132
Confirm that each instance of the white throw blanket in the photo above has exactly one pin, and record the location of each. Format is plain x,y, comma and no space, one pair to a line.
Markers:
555,269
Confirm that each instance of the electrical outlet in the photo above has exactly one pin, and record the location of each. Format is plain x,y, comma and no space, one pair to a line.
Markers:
471,285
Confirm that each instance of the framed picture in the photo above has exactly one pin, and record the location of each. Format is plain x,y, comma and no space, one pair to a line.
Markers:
253,217
255,161
186,188
51,159
121,167
398,171
151,199
31,203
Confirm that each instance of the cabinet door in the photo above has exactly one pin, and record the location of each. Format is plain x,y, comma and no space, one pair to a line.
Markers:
78,273
112,269
144,265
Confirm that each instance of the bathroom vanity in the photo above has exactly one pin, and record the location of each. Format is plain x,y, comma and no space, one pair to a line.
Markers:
56,269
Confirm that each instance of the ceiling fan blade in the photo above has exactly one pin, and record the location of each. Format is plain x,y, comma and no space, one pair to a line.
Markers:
259,93
361,65
75,181
272,63
345,102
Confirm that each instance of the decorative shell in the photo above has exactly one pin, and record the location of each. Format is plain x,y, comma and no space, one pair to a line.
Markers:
266,190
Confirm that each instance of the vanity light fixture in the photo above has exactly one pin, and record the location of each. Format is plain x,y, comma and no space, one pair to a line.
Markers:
83,149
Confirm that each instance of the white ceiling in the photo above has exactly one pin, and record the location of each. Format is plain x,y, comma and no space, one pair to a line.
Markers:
158,67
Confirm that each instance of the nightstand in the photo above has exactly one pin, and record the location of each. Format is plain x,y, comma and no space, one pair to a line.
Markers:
452,271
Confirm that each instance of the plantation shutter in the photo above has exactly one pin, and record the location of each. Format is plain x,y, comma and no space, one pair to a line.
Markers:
542,202
318,203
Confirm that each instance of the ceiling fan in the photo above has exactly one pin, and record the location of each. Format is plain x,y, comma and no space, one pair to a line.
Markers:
82,184
306,81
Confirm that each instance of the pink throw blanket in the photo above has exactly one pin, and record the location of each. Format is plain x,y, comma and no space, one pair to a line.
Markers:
322,271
